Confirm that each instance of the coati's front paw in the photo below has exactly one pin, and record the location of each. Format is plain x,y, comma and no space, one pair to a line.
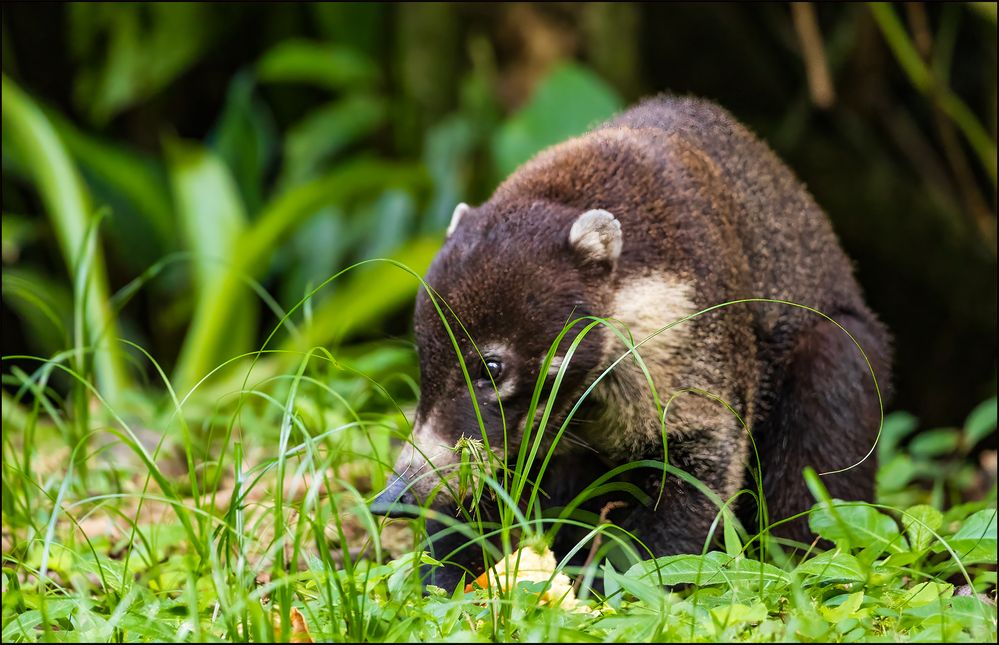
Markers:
459,555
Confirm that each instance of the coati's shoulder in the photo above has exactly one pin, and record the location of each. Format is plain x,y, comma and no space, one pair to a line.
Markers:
628,164
746,161
650,142
662,141
669,158
680,114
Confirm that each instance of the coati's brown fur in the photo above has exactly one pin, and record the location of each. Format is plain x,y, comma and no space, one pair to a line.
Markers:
685,209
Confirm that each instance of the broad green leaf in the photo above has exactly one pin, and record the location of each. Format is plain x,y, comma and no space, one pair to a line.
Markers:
713,568
22,626
447,150
845,609
244,137
344,184
833,565
728,615
809,627
896,560
935,443
209,208
897,426
858,525
920,522
975,541
213,222
637,587
733,545
896,473
140,49
568,101
137,177
68,206
403,570
326,131
382,225
611,586
981,422
368,293
973,613
44,305
163,629
313,253
142,225
927,592
938,628
328,66
961,512
870,554
357,24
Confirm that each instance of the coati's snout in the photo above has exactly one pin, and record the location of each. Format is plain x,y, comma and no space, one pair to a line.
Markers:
426,474
504,304
396,500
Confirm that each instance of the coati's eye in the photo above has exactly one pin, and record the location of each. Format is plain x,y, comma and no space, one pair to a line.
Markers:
492,368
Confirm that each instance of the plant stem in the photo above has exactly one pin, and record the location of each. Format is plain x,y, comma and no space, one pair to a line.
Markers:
926,82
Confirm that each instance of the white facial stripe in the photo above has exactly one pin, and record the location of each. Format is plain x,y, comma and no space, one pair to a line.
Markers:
425,459
426,446
507,386
555,365
499,350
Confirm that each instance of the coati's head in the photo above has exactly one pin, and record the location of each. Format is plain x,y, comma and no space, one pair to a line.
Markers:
509,277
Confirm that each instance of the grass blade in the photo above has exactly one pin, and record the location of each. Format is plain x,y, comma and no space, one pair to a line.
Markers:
67,203
257,244
212,220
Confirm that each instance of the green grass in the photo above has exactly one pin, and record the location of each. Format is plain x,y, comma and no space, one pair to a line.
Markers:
212,516
208,498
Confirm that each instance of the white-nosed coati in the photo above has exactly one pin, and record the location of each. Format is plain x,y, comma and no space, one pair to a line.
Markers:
663,211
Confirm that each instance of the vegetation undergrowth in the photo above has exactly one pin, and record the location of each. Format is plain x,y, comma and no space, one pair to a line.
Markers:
238,512
219,491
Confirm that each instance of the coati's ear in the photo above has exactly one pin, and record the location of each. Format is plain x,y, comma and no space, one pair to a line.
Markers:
459,212
596,236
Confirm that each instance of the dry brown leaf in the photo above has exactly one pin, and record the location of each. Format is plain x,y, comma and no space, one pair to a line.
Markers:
299,631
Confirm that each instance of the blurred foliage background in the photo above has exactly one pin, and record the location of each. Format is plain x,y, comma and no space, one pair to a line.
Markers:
226,159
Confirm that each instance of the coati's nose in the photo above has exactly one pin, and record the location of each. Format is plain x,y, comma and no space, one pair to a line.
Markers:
390,501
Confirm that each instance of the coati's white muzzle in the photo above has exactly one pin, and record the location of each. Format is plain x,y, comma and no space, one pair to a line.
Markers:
427,469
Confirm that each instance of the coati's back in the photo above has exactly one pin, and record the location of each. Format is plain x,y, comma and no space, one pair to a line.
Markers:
791,249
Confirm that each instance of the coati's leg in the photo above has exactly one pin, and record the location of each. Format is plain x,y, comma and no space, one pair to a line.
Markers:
682,520
460,556
679,524
825,415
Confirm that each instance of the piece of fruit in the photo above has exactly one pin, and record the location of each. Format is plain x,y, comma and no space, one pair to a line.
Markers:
530,565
